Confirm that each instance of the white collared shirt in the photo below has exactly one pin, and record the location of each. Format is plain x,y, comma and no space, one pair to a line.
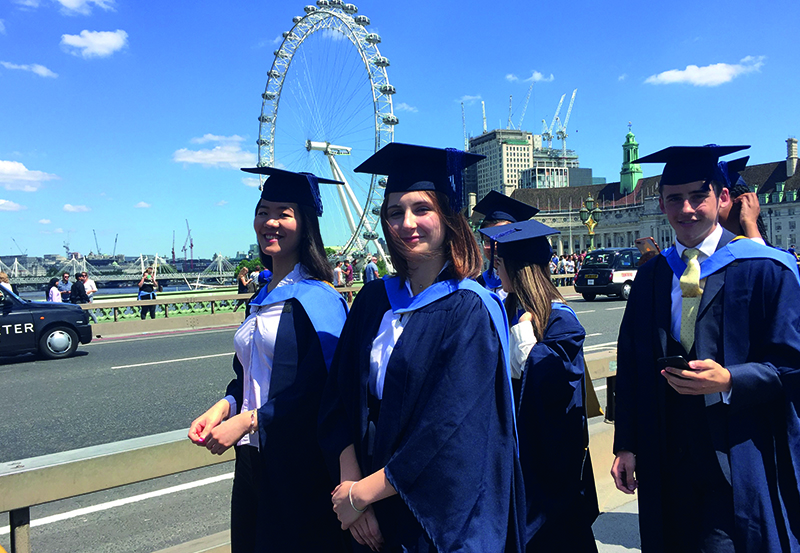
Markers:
254,343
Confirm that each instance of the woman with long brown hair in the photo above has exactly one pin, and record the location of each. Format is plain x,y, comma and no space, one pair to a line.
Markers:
417,422
547,348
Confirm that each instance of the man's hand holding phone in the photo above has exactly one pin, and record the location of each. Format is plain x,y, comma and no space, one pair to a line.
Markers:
695,377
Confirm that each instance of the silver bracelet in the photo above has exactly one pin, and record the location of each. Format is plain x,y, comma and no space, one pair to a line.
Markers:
350,496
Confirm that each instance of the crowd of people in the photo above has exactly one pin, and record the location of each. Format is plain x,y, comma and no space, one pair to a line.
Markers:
445,410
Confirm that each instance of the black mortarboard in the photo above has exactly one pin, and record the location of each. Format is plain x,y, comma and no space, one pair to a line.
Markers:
524,241
409,168
731,170
499,207
691,163
288,186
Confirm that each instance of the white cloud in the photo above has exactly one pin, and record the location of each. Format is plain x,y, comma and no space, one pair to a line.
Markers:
142,205
2,27
94,44
405,107
15,176
221,203
59,230
709,75
28,3
622,77
8,205
208,137
253,182
76,208
40,70
84,7
44,221
535,77
469,100
228,153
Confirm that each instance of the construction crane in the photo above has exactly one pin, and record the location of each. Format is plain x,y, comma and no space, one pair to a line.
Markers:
190,243
114,253
66,245
510,103
547,132
561,134
96,243
483,107
464,124
20,249
525,105
173,248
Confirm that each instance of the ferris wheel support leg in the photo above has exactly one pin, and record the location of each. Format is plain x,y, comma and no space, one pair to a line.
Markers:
338,175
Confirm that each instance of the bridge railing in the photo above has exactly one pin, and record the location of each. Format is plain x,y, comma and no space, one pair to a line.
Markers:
64,475
59,476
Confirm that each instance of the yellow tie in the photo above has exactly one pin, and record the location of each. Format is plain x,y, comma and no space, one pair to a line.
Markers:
692,293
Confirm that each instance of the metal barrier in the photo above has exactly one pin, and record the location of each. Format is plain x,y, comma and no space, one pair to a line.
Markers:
63,475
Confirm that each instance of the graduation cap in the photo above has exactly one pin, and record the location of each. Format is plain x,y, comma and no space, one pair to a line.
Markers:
288,186
691,163
410,168
731,170
499,207
524,241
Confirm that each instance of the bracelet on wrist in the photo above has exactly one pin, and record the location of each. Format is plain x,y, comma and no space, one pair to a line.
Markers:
350,496
253,421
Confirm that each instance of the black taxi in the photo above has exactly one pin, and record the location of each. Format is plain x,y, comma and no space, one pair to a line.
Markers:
608,271
52,329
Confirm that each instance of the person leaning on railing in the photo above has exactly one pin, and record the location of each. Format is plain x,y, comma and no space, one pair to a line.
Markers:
281,488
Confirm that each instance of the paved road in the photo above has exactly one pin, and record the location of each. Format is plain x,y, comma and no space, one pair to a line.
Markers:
123,388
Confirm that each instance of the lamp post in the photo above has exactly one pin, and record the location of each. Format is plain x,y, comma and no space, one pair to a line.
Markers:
590,216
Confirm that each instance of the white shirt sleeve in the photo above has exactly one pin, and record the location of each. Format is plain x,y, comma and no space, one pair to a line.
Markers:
522,342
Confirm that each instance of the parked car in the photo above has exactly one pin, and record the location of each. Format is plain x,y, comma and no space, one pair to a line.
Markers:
52,329
608,271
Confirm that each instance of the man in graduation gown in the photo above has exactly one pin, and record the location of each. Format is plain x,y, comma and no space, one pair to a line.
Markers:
713,449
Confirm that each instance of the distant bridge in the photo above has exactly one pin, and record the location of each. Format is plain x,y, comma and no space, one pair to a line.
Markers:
108,278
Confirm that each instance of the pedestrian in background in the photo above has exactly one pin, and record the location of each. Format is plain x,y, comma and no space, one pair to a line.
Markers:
53,293
281,489
65,287
243,283
547,352
349,276
371,271
78,291
147,291
4,282
91,288
417,421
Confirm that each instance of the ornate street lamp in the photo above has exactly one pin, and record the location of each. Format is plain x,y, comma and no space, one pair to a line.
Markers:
590,216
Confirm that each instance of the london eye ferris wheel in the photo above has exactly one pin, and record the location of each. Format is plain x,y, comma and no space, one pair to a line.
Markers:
326,108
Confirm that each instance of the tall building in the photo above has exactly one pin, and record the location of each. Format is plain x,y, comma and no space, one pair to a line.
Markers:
516,159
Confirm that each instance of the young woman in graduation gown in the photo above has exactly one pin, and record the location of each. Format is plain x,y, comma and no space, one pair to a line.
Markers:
547,347
417,421
281,487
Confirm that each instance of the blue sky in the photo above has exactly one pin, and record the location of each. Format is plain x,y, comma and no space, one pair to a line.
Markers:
129,117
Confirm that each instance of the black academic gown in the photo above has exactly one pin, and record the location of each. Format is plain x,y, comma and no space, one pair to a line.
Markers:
294,507
749,322
559,483
445,434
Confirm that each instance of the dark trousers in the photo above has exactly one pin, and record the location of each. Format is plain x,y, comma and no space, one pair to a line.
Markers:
148,309
244,500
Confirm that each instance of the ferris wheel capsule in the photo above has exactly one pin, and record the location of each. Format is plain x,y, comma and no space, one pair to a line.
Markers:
362,20
381,61
350,9
310,9
373,38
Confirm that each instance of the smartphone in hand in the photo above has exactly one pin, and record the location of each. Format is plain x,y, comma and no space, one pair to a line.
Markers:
674,361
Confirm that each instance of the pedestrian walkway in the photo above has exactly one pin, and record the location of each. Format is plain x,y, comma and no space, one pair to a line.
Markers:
618,530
